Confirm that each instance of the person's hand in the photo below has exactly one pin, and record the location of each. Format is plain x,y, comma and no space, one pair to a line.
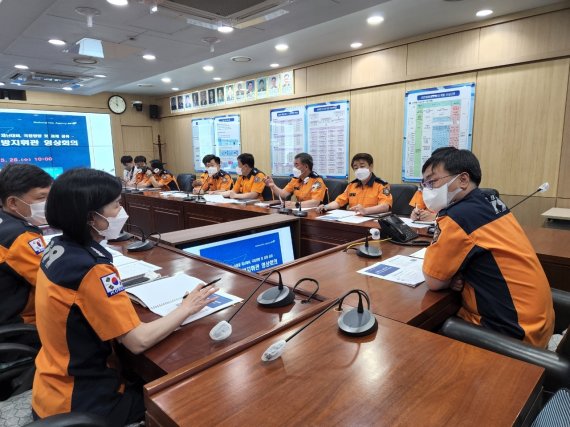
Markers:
359,209
226,193
415,216
457,283
269,181
321,209
148,173
426,215
194,301
289,204
232,194
197,183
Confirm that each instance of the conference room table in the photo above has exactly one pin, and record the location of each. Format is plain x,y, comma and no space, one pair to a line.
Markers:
397,376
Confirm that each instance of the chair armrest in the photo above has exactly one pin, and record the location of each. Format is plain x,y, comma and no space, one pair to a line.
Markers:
70,420
561,301
557,367
18,330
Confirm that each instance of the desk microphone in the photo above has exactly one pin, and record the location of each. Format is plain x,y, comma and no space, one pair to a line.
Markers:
142,245
200,198
277,296
356,322
136,190
543,187
300,212
283,209
368,251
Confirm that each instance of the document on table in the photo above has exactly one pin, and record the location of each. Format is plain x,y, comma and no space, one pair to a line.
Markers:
417,224
336,215
164,295
419,254
400,269
135,269
218,198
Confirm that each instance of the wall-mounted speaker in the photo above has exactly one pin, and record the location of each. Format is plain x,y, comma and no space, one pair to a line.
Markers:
154,111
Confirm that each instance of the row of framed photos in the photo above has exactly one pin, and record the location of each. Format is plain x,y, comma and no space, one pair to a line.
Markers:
242,91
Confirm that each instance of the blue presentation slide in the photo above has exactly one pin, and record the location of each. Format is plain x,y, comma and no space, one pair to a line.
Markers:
254,252
56,141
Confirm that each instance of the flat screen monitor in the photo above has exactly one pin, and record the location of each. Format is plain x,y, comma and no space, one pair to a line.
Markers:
255,251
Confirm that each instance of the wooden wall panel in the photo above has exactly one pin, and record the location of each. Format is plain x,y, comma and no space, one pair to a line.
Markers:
564,178
384,66
443,54
563,203
255,134
300,81
175,132
138,140
528,213
376,127
519,116
441,81
330,76
538,36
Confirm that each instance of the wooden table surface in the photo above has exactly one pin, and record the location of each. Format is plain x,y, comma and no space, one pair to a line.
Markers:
336,273
191,342
399,376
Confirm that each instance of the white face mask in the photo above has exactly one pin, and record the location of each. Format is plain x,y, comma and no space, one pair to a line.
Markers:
156,170
362,173
212,170
238,170
38,212
115,225
297,172
437,199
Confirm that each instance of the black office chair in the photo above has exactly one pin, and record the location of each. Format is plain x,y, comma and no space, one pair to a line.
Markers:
401,196
334,188
556,364
281,182
556,412
76,419
185,181
267,194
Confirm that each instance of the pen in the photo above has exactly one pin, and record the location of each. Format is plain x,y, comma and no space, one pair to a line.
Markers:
206,285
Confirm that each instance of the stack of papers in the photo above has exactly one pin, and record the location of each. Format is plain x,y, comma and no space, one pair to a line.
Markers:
341,215
400,269
417,224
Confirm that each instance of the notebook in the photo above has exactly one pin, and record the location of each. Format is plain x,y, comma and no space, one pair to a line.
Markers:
164,295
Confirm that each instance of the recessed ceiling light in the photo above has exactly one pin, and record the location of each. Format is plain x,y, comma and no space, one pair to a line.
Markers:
149,57
101,76
274,65
175,88
225,29
1,83
217,79
208,68
166,80
56,42
118,2
484,12
240,58
356,45
375,20
85,60
21,67
154,8
67,88
281,47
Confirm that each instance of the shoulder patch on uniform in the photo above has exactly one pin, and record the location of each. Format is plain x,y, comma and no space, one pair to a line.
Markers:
112,284
436,233
37,245
257,179
386,191
316,186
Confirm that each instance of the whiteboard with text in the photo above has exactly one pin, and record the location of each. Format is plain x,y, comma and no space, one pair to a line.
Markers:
219,135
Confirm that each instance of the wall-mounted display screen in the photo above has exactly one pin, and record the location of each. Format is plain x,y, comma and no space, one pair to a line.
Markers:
56,141
255,251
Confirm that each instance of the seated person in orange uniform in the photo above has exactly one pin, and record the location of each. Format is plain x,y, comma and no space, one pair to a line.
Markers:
23,192
214,180
82,308
420,211
250,182
158,177
307,186
480,249
367,194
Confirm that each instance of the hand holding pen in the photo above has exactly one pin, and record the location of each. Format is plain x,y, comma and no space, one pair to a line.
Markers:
199,297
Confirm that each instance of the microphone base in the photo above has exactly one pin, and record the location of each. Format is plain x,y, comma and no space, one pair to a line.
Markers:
355,324
123,237
285,211
141,246
275,297
301,214
136,192
189,198
200,199
369,252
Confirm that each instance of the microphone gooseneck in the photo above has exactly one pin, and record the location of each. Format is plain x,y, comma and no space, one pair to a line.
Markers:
541,189
143,244
368,251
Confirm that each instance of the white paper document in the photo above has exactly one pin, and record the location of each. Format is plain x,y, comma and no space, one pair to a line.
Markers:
218,198
336,215
135,269
419,254
417,224
355,219
164,295
400,269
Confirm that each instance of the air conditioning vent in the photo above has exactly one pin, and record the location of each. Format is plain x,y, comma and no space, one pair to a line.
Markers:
237,10
44,79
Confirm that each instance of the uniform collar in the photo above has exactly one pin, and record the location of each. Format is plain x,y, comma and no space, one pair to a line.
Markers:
369,183
5,216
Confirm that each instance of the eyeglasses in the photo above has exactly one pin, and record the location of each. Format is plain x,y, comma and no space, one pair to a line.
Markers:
429,184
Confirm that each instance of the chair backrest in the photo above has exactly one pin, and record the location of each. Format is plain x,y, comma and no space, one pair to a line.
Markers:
401,196
185,181
334,188
267,194
281,182
489,191
556,412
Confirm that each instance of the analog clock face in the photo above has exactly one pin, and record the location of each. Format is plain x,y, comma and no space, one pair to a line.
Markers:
117,104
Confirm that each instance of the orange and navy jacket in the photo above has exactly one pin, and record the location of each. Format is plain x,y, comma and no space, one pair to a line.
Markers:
142,180
220,181
255,181
375,192
418,201
310,188
21,248
80,307
505,286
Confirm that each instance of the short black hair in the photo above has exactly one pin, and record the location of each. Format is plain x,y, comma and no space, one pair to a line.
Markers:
17,179
362,156
306,159
246,159
154,164
209,157
455,161
126,159
73,197
139,159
